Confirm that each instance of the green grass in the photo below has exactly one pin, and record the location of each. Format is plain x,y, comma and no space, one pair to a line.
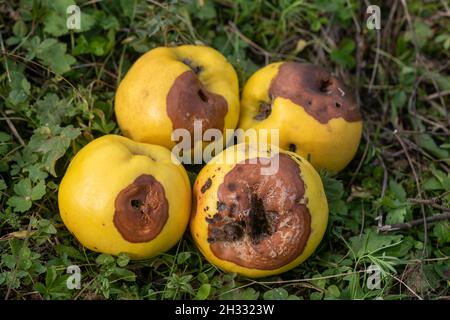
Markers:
57,90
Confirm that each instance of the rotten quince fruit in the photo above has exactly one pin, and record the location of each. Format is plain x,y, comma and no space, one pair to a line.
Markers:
122,196
171,88
256,218
315,113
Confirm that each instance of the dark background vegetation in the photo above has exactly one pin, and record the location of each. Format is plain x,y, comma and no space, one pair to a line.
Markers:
57,89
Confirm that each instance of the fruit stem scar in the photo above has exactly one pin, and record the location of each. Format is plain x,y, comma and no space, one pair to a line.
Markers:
190,64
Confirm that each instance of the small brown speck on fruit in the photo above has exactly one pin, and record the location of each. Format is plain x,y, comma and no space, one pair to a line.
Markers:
206,186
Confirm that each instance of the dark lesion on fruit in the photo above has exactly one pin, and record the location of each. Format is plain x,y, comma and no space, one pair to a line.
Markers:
206,186
265,109
322,95
258,224
221,206
141,210
189,100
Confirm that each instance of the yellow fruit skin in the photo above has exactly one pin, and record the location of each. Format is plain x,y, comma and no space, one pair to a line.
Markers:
140,102
329,146
98,172
207,203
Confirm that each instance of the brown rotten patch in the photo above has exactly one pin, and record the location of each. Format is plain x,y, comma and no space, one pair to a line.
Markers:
262,221
142,210
322,95
188,100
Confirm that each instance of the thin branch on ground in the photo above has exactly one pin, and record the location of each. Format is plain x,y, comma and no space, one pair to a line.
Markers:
431,202
413,223
13,129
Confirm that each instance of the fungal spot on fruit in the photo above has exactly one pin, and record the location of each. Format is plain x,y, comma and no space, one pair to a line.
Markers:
324,85
188,100
292,147
202,95
258,223
232,209
190,64
221,206
141,210
265,109
232,187
233,232
316,90
214,218
266,228
206,186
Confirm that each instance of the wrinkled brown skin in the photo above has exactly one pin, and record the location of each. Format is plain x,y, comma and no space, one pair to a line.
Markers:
322,95
261,222
188,100
142,210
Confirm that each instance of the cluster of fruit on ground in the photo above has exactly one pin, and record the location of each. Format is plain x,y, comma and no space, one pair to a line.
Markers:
388,209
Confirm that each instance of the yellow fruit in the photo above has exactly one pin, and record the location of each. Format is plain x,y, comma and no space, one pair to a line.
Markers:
121,196
170,88
316,115
253,222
